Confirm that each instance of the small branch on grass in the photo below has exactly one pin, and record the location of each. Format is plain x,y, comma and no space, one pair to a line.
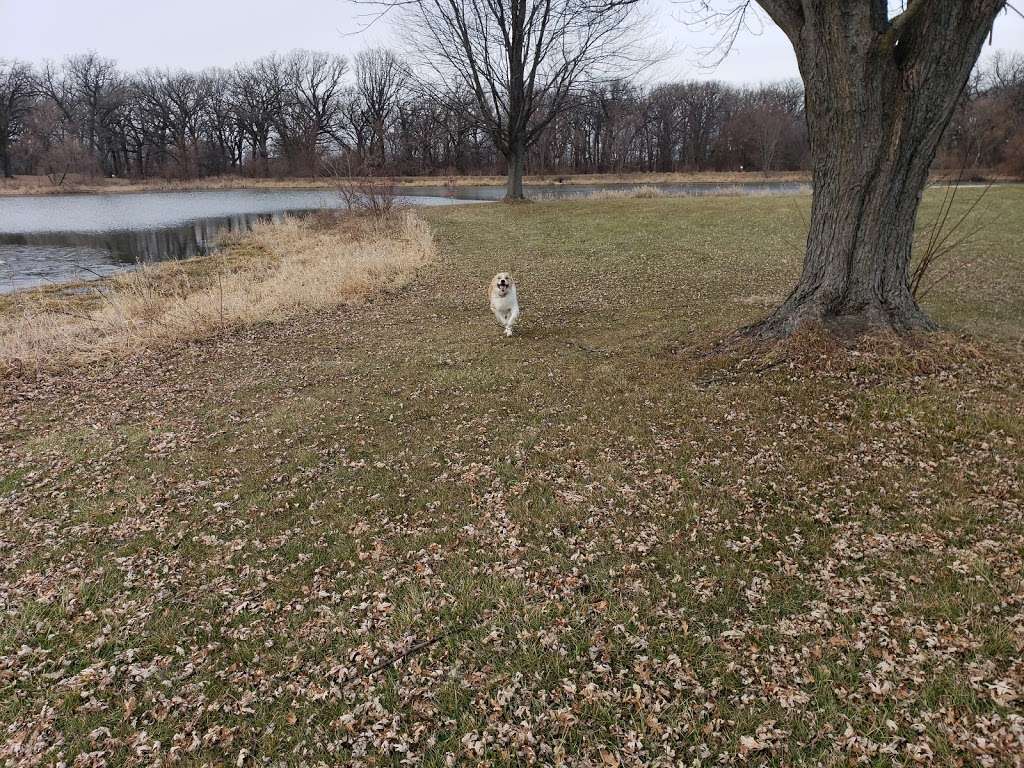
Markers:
586,348
416,648
730,374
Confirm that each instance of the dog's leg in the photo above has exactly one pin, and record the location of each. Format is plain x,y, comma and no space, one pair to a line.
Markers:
510,320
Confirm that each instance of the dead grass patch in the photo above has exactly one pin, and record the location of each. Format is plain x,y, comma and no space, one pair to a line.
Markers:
266,275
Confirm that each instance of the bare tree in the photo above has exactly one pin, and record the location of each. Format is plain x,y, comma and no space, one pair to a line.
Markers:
764,122
1004,72
17,94
881,86
522,60
225,140
175,105
312,107
258,94
90,92
703,111
381,79
297,114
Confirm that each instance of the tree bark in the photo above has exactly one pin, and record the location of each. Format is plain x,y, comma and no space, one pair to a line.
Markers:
514,185
879,95
5,161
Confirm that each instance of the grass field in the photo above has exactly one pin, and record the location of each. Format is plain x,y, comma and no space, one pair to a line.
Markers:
385,535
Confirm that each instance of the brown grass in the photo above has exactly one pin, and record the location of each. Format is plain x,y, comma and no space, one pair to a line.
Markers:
41,185
265,275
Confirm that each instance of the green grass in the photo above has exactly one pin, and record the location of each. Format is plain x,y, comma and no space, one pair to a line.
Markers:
624,551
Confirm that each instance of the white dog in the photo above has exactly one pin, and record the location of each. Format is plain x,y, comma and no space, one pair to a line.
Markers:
504,301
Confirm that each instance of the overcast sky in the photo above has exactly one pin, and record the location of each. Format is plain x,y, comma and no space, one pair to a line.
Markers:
200,33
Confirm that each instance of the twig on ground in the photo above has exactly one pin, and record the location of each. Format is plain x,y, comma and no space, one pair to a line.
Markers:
733,373
416,648
586,348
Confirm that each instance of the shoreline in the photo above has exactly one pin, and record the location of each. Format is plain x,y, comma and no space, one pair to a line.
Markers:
273,271
31,186
36,186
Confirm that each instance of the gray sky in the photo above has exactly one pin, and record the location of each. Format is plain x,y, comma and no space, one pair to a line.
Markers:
199,33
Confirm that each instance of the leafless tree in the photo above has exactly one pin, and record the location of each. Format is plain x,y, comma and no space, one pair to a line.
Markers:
302,113
356,131
703,112
174,104
766,121
90,91
224,137
1004,72
381,79
258,91
522,60
312,106
17,94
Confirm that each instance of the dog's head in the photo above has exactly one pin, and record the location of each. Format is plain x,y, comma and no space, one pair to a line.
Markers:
502,283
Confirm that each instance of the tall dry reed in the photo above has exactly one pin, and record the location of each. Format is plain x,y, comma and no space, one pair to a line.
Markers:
301,264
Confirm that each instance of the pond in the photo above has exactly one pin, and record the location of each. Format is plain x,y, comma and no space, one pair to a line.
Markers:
62,238
53,239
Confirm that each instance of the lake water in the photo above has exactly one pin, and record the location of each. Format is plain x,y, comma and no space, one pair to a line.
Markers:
53,239
63,238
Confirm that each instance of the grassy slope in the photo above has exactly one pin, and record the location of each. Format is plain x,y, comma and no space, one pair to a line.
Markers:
644,556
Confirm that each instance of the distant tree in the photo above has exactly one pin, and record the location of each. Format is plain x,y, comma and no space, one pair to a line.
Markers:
90,92
703,112
258,94
765,123
174,105
881,86
223,136
354,125
17,95
314,83
382,78
522,60
293,113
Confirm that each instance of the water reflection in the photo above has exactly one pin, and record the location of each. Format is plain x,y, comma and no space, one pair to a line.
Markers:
39,258
63,238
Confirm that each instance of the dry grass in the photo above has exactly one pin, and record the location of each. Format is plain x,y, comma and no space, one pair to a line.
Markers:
41,185
643,192
267,274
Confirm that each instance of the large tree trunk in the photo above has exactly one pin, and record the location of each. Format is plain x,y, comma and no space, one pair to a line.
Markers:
514,186
5,161
879,95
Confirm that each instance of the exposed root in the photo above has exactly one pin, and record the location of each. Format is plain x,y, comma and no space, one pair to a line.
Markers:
789,320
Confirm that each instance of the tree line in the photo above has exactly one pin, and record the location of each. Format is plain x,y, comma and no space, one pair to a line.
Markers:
312,113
